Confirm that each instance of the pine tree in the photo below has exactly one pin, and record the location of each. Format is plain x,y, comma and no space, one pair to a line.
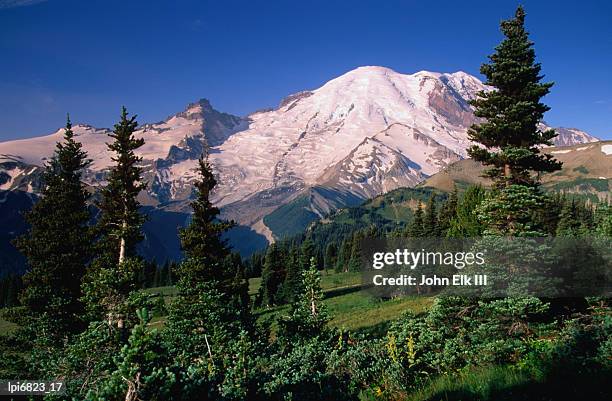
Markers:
331,256
113,276
308,313
57,245
207,256
465,223
293,279
603,219
447,213
202,238
430,222
568,220
344,256
510,135
356,261
211,308
120,223
307,251
415,229
272,276
512,111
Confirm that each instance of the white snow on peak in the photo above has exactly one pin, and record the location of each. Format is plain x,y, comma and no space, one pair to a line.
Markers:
412,124
297,141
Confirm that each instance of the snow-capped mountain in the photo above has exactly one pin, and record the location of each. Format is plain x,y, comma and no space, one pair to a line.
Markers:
366,132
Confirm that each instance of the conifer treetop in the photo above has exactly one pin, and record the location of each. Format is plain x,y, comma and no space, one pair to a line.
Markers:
509,135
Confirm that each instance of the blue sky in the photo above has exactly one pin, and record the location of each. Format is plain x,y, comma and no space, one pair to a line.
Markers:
90,57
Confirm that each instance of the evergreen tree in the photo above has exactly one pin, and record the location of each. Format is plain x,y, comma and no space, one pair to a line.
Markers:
211,309
415,229
120,222
207,256
272,276
331,256
113,276
202,238
57,246
293,279
356,260
465,223
344,257
510,135
308,313
568,220
447,213
603,218
430,221
307,251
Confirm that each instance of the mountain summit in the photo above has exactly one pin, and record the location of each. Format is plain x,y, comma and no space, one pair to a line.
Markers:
363,133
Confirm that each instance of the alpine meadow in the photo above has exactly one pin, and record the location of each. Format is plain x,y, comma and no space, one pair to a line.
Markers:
213,256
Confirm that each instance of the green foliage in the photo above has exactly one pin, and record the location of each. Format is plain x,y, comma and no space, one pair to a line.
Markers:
119,226
465,222
512,111
57,247
272,276
458,332
308,313
143,369
201,239
415,229
512,210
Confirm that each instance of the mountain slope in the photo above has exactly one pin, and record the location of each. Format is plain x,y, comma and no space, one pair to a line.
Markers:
366,132
587,169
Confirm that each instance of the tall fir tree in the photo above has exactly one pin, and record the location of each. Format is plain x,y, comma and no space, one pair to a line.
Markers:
447,213
113,276
415,228
57,245
430,221
465,223
208,259
510,135
120,222
202,241
272,276
331,256
293,279
211,309
308,313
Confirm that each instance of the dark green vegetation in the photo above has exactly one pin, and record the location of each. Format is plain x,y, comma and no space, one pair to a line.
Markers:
296,333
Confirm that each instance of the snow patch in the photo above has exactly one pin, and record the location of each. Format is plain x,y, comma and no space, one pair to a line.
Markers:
607,149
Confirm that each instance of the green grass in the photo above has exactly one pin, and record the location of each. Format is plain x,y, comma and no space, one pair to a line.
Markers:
349,307
353,309
506,383
360,310
475,384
